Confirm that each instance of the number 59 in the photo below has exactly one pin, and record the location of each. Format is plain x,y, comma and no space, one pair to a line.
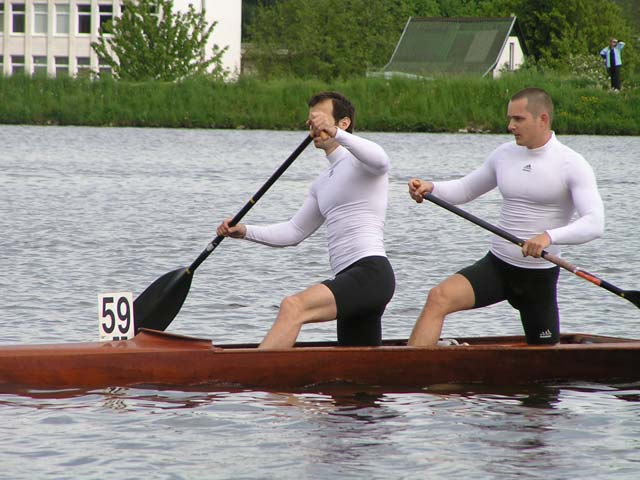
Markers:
115,316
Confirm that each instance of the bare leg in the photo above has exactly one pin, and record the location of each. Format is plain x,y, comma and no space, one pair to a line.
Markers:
452,295
315,304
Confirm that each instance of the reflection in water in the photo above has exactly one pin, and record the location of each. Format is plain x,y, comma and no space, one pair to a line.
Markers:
341,430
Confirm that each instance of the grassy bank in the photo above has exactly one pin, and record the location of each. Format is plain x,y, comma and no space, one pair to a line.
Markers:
439,105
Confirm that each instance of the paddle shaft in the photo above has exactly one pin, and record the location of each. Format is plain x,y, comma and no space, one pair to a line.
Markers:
158,305
513,239
252,201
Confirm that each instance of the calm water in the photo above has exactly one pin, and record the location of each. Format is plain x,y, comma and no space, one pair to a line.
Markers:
90,210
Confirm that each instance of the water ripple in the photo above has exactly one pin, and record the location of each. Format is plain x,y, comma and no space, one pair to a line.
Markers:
89,210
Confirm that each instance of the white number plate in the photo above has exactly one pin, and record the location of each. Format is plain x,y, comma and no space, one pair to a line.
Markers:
115,316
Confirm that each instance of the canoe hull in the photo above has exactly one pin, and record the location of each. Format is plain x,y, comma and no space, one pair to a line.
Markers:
158,358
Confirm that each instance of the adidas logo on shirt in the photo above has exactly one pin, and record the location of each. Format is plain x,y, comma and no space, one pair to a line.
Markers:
526,168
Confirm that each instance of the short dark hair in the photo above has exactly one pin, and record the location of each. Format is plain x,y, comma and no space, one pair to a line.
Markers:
342,107
538,101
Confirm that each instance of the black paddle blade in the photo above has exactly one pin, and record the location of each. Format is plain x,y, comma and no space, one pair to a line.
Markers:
158,305
633,296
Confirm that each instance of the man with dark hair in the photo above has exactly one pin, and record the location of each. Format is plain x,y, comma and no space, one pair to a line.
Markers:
613,61
351,197
543,184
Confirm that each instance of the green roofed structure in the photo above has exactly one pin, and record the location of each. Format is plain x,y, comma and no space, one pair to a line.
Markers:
440,45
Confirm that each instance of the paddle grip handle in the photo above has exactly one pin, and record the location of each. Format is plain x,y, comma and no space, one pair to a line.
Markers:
252,201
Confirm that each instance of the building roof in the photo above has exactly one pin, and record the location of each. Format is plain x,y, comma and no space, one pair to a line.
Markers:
454,45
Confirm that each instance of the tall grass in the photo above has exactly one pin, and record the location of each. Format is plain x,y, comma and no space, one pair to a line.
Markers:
443,104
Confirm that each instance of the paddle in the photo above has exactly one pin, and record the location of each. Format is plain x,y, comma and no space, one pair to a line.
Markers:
158,305
632,295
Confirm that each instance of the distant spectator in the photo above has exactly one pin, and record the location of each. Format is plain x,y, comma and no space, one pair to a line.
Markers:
613,61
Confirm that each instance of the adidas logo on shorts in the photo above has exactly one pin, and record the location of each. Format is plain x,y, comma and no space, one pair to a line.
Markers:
545,334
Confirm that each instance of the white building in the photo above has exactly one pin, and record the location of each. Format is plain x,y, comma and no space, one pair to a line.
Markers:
55,36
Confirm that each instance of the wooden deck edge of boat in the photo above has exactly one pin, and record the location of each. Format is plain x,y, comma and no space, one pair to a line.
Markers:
149,339
157,337
567,340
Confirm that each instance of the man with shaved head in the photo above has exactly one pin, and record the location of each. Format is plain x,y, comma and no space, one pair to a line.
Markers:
543,184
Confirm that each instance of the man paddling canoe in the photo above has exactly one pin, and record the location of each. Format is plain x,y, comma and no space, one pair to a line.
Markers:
351,196
543,183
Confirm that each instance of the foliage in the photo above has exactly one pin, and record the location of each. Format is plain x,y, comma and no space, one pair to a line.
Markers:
444,104
586,67
340,39
556,30
151,42
345,39
249,8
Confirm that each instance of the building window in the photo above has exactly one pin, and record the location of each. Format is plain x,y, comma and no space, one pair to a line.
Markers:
1,18
84,66
84,18
18,17
17,64
62,66
40,17
106,15
512,53
62,18
39,65
104,70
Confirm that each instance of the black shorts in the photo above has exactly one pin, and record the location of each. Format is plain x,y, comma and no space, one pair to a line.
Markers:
362,291
531,291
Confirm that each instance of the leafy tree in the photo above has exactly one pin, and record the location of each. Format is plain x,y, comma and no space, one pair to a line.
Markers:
555,31
151,42
329,39
563,35
249,8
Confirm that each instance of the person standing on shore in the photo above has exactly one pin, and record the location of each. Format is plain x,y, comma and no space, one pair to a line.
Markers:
613,61
351,197
543,184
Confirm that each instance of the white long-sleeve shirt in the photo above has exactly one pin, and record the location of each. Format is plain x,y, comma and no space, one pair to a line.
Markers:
542,189
351,195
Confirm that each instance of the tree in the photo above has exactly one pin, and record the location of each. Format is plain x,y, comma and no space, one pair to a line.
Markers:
151,42
561,34
328,39
249,8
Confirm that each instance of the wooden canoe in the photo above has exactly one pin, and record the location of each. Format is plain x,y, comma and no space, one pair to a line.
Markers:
163,359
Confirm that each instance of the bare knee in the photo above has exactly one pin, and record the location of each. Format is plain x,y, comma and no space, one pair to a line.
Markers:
291,308
437,296
446,299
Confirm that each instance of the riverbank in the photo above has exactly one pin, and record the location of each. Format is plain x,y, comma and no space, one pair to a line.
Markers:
438,105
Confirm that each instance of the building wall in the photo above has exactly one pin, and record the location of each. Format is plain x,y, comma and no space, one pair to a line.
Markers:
46,45
228,31
511,58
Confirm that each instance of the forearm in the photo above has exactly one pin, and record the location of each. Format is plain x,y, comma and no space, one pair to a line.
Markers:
590,222
583,230
306,221
465,189
283,234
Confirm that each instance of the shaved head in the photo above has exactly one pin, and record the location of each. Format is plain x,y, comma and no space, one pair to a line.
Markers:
538,101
